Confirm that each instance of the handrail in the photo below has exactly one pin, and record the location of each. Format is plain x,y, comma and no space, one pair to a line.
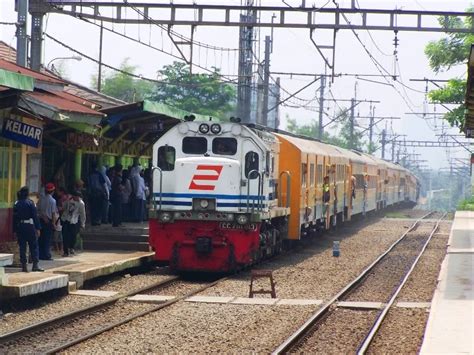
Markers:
288,186
251,172
161,184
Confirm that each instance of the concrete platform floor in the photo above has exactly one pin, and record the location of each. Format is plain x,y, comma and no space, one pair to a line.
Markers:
450,327
62,270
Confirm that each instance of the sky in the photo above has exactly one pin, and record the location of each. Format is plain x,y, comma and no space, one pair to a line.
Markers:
292,52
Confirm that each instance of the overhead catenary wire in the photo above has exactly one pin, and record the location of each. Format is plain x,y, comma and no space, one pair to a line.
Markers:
137,76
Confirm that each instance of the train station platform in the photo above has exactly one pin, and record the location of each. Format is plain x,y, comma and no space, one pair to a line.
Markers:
63,270
450,325
129,236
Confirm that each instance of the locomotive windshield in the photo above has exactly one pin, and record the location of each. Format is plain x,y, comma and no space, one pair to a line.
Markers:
194,145
224,146
166,157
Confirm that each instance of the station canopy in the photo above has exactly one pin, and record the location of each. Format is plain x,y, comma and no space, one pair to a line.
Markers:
132,129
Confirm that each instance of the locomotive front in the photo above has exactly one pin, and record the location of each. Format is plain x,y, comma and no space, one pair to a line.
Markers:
209,185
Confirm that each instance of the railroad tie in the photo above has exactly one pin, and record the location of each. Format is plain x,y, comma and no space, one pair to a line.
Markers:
255,274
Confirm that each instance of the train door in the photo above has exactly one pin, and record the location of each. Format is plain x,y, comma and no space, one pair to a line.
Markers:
304,188
349,187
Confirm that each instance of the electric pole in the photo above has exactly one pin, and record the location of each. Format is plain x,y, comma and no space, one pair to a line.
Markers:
36,40
371,129
99,74
321,107
21,33
394,144
351,135
244,90
384,141
266,79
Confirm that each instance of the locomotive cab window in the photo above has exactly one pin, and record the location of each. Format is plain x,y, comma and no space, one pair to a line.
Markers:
224,146
166,158
194,145
251,163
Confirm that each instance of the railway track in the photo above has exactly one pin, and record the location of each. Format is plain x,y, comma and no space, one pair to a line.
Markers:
59,333
322,325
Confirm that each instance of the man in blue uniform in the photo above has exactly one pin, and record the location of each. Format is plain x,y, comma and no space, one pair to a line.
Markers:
26,227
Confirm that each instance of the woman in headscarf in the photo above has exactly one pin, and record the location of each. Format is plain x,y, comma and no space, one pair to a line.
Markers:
108,187
138,194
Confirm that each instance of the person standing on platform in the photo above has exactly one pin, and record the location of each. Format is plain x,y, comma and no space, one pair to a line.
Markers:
116,196
125,196
138,194
61,197
73,218
108,187
48,214
97,195
26,228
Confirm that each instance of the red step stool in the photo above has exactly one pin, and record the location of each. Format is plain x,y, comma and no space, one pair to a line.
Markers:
255,274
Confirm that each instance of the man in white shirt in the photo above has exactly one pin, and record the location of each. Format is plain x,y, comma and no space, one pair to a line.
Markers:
73,218
48,214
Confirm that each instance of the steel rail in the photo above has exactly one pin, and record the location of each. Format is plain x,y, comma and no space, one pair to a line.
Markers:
130,318
381,317
33,328
299,334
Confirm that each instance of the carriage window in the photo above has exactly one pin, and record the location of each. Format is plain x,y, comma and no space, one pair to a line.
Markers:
224,146
304,172
320,174
311,174
194,145
251,163
166,158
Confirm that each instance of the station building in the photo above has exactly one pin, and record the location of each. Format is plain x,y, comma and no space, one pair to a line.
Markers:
53,130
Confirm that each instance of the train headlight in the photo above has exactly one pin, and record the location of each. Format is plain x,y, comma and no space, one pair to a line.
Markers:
236,130
242,219
165,217
203,128
183,128
204,203
216,129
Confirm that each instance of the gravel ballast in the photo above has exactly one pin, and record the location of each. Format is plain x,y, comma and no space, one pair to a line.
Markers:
53,336
311,272
341,333
202,328
69,303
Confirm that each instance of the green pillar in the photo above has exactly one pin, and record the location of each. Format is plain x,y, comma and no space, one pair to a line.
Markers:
78,164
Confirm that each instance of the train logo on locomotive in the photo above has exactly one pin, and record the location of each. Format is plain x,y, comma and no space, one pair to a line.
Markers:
217,169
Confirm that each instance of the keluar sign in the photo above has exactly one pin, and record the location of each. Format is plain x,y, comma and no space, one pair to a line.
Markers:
22,132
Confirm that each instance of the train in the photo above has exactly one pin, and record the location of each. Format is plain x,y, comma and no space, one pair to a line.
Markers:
227,195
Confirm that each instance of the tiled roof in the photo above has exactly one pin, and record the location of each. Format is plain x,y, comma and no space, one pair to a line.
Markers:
5,64
62,103
8,53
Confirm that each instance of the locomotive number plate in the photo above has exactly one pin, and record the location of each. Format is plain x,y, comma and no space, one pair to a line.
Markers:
230,225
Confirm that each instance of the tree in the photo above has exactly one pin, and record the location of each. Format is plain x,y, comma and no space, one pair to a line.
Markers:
444,54
205,94
345,133
342,139
125,87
